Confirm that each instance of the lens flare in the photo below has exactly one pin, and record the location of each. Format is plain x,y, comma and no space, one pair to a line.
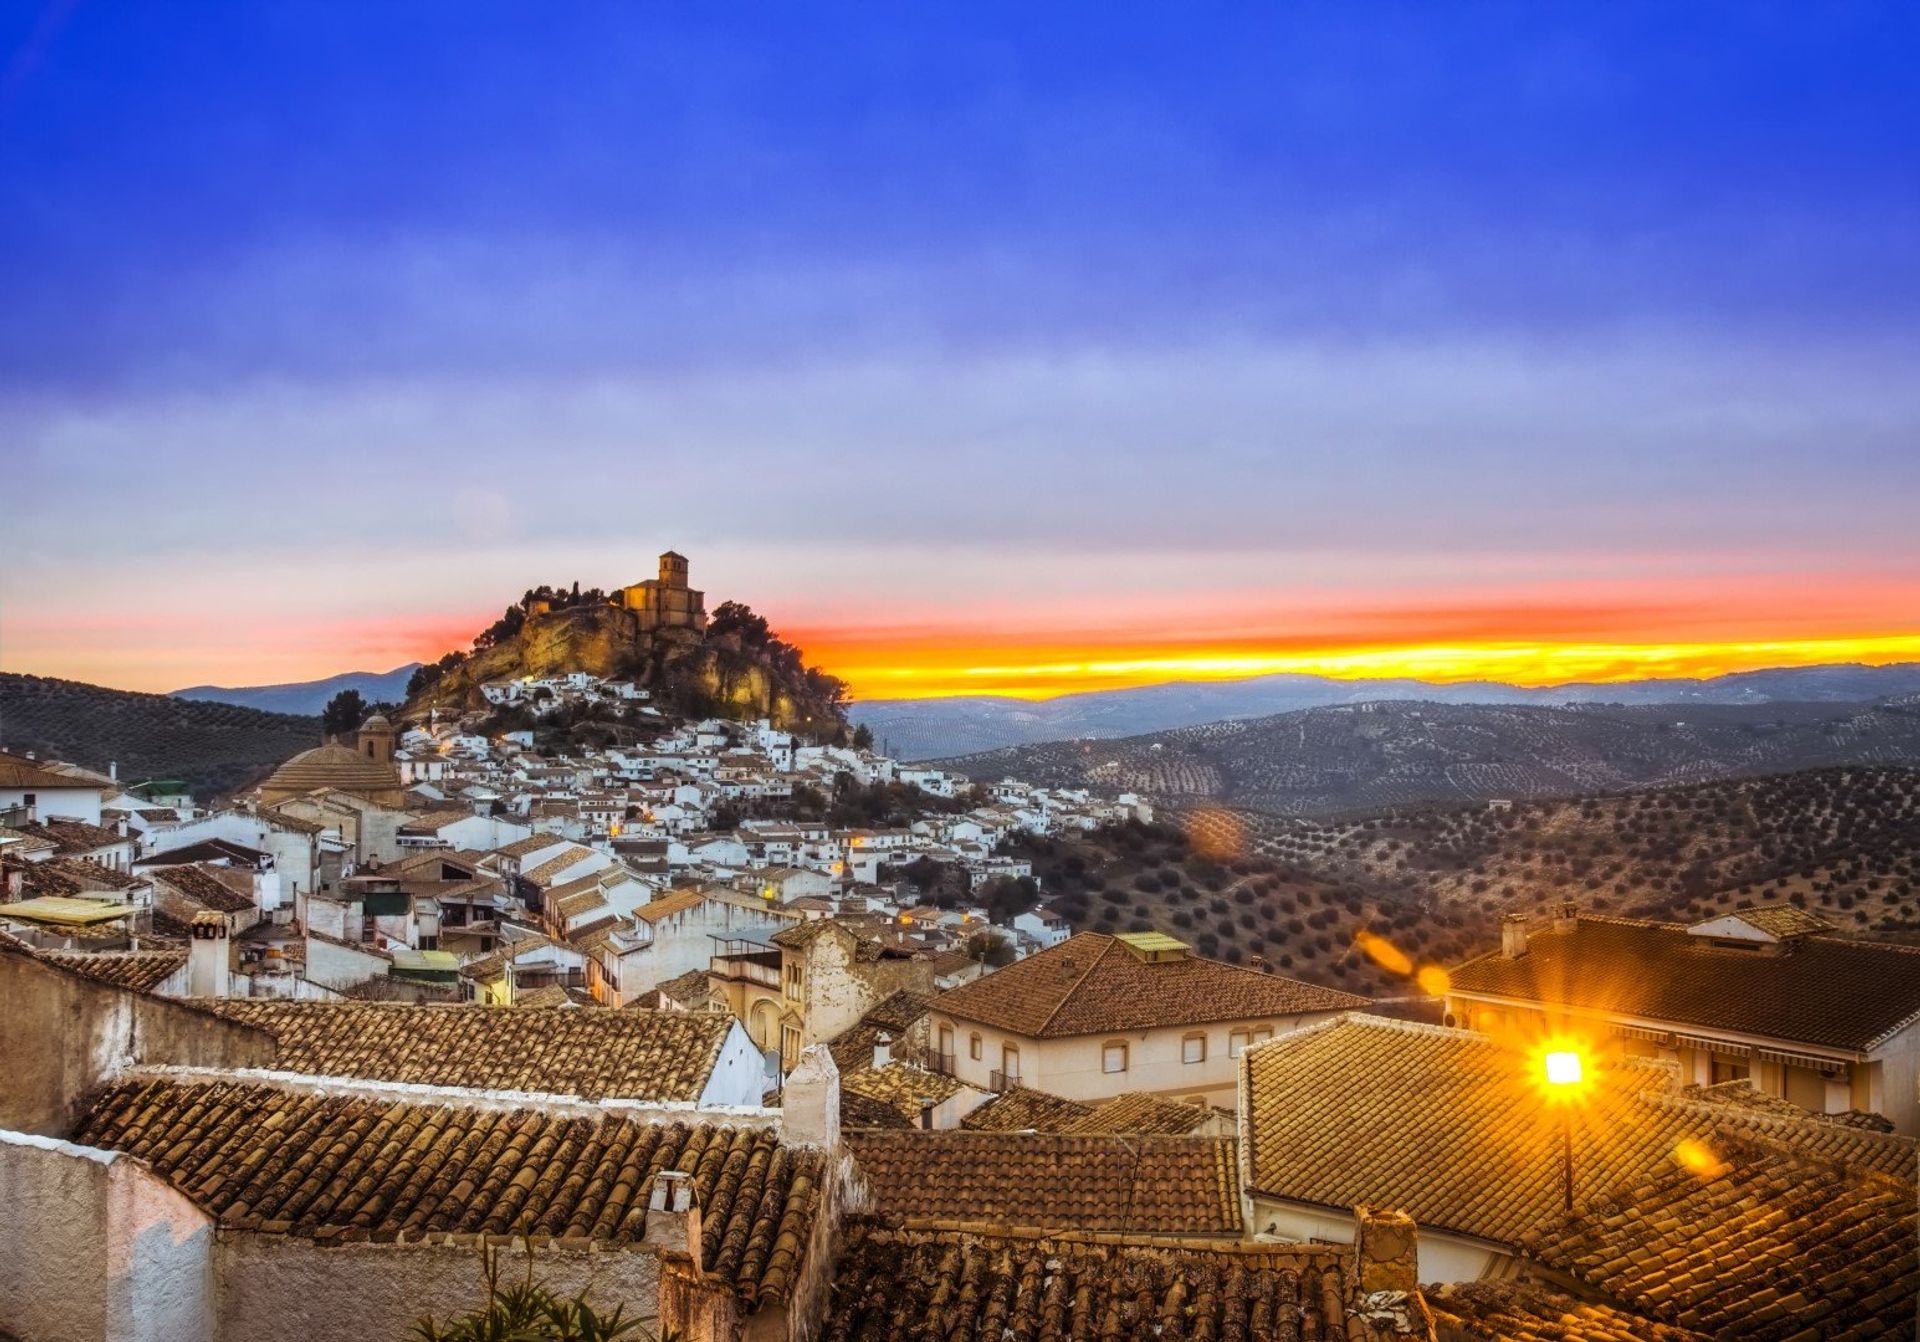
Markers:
1216,834
1697,1158
1433,980
1384,953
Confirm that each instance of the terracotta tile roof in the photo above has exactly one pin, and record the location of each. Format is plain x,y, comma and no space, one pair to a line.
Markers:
1445,1125
1743,1095
672,902
553,866
1824,991
1142,1112
903,1086
857,1111
1150,1185
493,965
74,836
1760,1243
894,1015
72,876
202,887
1093,984
271,1160
689,989
638,1055
1021,1110
1503,1311
893,1285
533,843
143,971
1783,920
18,773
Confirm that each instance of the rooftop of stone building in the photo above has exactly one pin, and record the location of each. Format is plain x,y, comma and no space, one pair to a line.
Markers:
271,1159
1143,1185
640,1055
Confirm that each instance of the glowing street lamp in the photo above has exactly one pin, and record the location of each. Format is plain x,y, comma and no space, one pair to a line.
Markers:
1566,1076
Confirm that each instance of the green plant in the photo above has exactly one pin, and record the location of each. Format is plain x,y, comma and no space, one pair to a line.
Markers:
528,1311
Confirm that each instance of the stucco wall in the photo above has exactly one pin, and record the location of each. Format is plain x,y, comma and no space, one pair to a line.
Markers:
1073,1067
1442,1257
61,1035
94,1248
276,1287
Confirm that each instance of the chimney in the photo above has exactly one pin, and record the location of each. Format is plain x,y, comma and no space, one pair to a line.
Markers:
113,770
882,1049
1383,1279
673,1217
209,971
926,1114
1566,917
1513,935
1258,963
810,1101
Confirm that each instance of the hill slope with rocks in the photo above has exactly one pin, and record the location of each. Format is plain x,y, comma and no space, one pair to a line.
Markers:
211,746
1365,756
736,668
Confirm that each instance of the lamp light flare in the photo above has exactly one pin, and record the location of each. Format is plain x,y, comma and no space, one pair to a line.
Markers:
1563,1068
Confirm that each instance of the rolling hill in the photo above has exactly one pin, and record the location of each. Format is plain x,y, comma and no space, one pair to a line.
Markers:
213,747
927,728
1326,760
1433,882
307,697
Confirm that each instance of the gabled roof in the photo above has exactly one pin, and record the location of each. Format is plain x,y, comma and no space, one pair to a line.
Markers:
1448,1126
143,971
274,1160
1021,1109
202,887
1094,984
636,1055
1756,1241
1150,1185
1140,1111
23,773
904,1087
1824,991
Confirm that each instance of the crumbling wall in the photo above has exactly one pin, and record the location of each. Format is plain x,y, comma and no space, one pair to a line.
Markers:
62,1035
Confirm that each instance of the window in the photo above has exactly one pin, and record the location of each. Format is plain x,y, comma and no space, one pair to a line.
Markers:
1193,1048
789,1046
1260,1036
946,1041
976,1049
1728,1069
1236,1043
794,972
1010,1062
1113,1057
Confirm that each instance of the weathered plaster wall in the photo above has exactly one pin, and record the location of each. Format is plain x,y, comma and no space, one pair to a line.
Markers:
95,1248
740,1073
284,1286
62,1035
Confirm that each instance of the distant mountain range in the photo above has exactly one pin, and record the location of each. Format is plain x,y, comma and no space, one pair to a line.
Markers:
307,697
916,729
1358,757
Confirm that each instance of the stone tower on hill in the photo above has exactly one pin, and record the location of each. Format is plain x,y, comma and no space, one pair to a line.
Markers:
667,602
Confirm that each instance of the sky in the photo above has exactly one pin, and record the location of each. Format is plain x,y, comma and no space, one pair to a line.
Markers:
1019,349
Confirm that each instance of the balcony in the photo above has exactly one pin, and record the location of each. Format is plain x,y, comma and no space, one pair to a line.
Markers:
1003,1081
943,1064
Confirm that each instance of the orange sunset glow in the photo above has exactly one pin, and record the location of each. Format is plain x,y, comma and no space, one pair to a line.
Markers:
935,670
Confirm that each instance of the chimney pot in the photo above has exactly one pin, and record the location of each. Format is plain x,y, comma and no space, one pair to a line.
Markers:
209,966
1567,916
882,1049
1513,935
673,1217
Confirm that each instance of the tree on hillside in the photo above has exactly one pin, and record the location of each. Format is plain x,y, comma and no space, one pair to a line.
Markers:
863,737
343,713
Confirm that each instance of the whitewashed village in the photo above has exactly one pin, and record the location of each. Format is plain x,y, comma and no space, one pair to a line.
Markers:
661,1024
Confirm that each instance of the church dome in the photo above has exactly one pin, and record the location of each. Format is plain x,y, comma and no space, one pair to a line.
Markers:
377,723
333,766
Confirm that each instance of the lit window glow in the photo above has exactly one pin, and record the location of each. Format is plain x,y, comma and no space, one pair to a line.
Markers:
1563,1068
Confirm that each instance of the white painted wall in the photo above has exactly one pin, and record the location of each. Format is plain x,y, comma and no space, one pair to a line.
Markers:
740,1075
94,1248
55,803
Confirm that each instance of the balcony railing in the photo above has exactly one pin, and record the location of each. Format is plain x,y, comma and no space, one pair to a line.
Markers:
1003,1081
943,1064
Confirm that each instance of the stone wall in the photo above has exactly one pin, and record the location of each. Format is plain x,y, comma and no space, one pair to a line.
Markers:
61,1035
286,1286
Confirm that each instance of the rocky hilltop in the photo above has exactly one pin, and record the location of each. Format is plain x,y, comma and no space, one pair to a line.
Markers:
734,668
